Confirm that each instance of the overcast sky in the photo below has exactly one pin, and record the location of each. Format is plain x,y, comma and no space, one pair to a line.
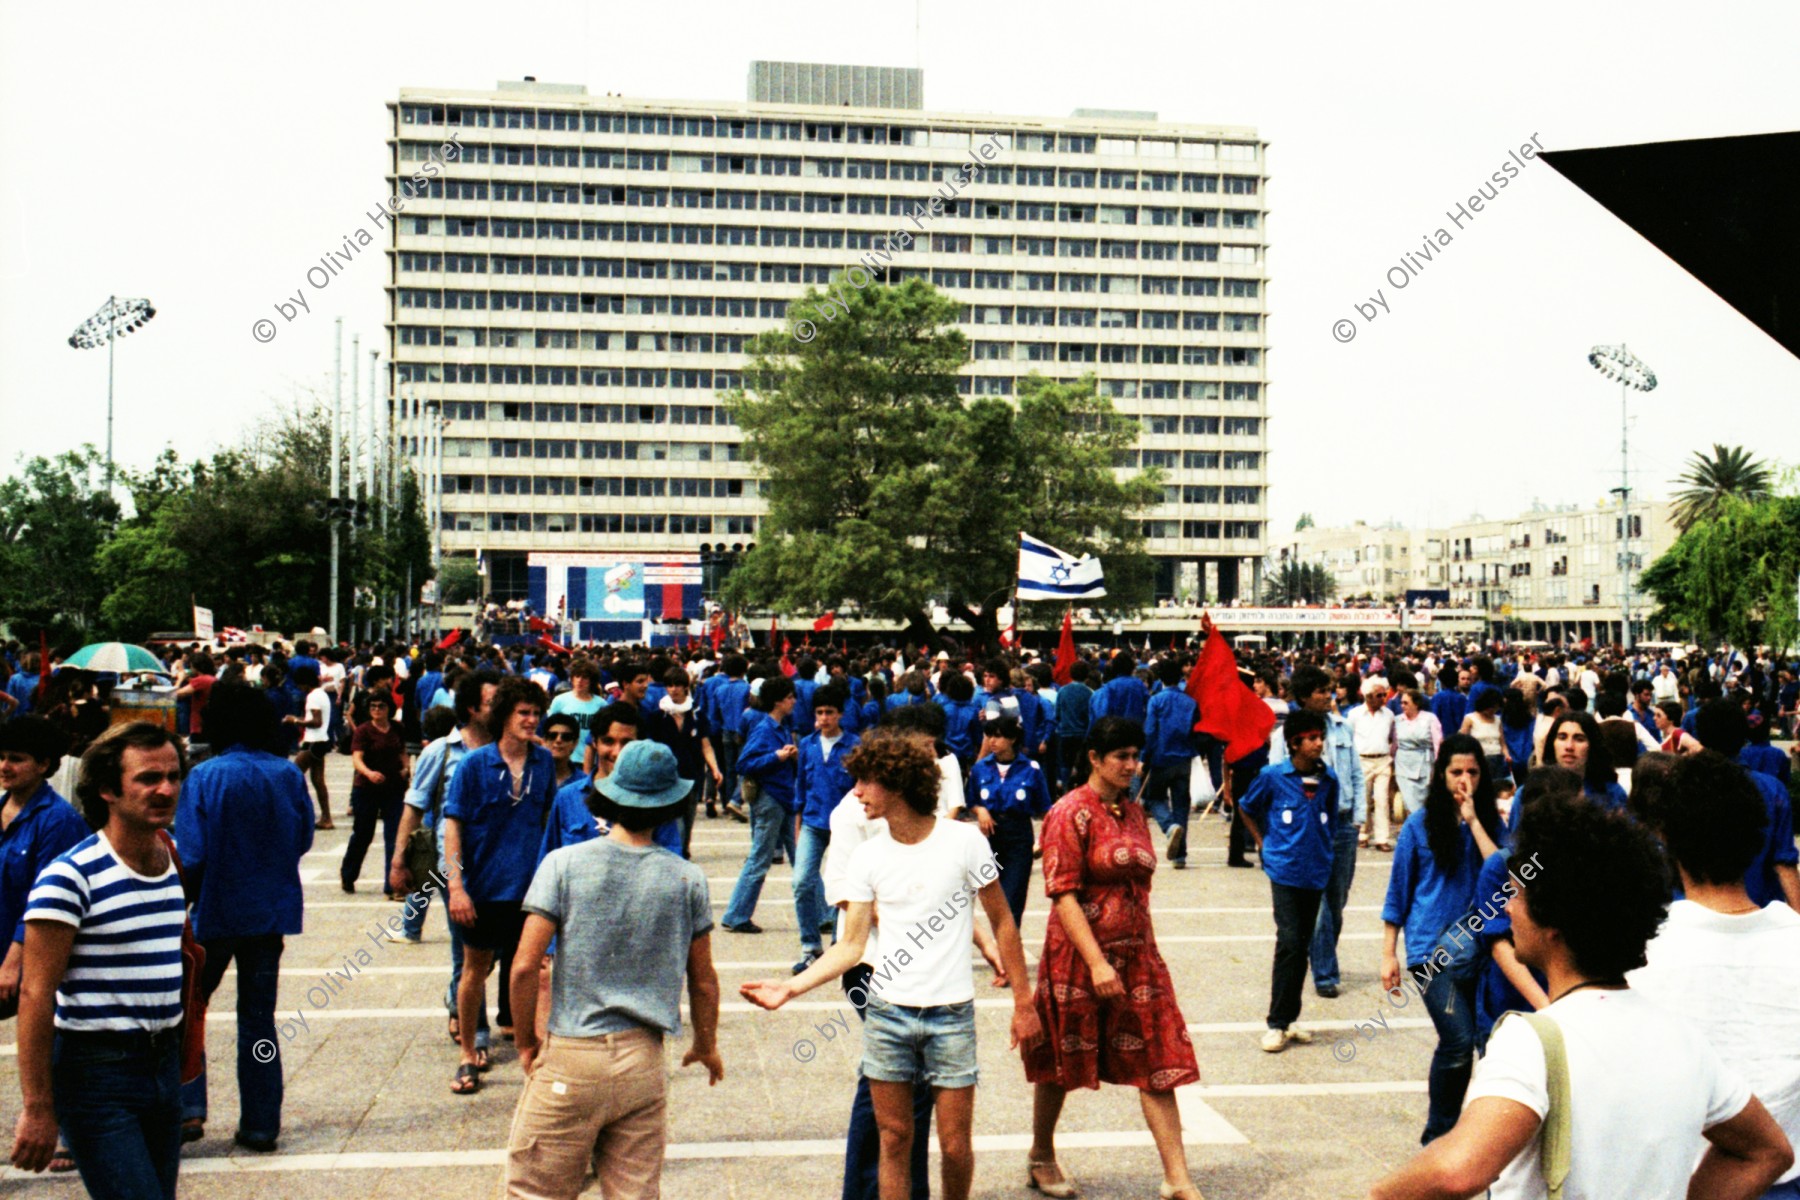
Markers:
205,156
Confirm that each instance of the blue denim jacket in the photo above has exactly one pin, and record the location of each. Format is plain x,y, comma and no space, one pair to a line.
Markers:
1346,764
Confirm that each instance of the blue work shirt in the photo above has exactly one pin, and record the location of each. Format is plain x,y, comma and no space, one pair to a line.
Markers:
431,776
426,688
500,835
960,720
243,823
1168,729
758,761
1450,707
1423,898
20,687
1297,832
1072,703
822,780
1765,759
803,704
1023,789
725,703
1494,993
1611,798
1777,849
1125,697
573,822
46,826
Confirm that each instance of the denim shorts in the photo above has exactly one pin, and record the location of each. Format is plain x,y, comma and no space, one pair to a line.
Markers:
934,1045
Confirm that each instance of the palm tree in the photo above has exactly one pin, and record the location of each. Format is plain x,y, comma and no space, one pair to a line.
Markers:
1729,472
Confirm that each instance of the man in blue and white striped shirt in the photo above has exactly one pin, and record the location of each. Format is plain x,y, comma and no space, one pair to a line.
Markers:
102,981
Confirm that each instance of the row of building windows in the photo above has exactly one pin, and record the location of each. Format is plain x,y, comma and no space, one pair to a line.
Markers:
504,374
517,522
586,414
734,343
839,203
632,486
1182,460
589,448
602,303
792,237
1202,530
570,266
564,120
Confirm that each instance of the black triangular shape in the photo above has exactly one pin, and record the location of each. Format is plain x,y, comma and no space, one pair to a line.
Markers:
1727,210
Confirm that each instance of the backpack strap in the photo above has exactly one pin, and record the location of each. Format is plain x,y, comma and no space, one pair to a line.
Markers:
1558,1128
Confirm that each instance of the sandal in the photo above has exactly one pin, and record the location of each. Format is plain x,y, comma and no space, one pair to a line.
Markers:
192,1130
455,1031
482,1062
326,825
1060,1188
467,1081
62,1162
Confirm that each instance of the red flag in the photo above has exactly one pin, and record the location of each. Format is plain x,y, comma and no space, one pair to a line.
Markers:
37,693
1171,641
718,635
540,625
1228,709
785,647
825,622
1065,650
550,644
450,639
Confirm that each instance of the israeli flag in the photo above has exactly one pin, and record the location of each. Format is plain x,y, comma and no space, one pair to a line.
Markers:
1046,573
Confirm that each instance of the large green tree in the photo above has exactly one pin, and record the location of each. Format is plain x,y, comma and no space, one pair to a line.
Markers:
1709,482
886,492
1732,574
55,514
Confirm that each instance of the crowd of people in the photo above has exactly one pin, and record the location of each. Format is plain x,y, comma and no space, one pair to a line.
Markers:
1541,811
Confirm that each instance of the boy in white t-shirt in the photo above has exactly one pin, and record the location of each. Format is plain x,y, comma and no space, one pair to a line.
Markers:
1647,1096
924,877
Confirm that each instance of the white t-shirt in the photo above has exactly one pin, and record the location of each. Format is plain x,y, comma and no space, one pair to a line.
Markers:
1642,1084
925,895
850,829
1736,978
319,704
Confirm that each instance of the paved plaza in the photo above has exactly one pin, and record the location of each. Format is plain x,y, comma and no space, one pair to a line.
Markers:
369,1113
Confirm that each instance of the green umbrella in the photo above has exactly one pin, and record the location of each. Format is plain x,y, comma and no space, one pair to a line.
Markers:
118,657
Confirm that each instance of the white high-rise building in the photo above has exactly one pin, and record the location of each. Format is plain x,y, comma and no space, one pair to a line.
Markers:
572,290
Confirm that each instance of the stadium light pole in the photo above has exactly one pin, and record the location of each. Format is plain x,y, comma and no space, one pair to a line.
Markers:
1633,374
110,322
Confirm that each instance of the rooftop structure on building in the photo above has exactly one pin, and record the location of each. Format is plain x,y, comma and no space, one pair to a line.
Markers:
573,290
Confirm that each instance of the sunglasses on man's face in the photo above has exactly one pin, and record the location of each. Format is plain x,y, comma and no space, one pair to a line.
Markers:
559,735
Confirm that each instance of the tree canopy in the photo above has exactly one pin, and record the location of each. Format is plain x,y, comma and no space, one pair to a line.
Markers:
1732,574
1299,583
886,491
243,533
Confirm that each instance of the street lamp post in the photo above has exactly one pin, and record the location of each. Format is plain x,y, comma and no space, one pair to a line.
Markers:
112,321
1616,362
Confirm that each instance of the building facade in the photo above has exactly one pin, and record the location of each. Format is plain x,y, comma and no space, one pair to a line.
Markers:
573,289
1550,574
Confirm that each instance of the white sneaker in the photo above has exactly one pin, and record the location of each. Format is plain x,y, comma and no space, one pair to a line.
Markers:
1274,1041
1299,1037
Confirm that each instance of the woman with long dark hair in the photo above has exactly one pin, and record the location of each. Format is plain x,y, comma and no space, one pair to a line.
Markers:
1432,889
1573,743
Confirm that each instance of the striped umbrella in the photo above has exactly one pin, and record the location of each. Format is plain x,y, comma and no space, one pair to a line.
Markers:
121,658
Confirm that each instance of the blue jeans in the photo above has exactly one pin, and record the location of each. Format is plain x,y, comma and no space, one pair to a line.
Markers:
367,806
1452,1007
259,1083
809,887
771,826
729,746
1331,912
118,1102
1011,844
1166,798
862,1142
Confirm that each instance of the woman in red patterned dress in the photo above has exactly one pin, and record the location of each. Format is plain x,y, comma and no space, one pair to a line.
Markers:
1103,992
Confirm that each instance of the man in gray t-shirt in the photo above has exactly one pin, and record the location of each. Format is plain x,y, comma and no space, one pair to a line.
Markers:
630,919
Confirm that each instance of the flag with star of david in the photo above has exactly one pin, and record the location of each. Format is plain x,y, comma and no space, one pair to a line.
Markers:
1046,573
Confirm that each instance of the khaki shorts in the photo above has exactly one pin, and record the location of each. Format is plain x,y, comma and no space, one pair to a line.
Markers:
598,1101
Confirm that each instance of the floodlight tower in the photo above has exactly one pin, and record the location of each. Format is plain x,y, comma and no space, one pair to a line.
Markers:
1633,374
112,321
